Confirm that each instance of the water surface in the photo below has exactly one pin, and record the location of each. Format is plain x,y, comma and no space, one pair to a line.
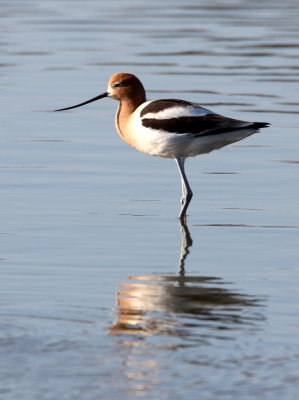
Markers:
103,294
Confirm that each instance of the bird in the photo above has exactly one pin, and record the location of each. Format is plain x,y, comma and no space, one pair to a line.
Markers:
170,128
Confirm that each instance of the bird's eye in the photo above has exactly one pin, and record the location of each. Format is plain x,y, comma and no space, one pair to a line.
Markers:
116,84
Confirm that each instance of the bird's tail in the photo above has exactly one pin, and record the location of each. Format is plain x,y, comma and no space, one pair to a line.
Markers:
258,125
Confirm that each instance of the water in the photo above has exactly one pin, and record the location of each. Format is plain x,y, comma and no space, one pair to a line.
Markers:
103,294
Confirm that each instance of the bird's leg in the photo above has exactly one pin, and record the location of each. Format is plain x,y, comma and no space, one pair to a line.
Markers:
186,189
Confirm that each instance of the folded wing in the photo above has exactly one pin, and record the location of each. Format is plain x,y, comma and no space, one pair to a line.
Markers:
182,117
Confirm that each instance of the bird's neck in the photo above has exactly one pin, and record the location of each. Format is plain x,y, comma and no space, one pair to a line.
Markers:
130,103
125,110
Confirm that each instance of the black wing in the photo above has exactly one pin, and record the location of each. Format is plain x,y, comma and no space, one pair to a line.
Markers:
203,124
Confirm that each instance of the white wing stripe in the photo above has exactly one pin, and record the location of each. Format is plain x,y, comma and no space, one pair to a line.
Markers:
177,112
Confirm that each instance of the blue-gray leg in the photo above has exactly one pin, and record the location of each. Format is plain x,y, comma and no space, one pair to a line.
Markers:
186,189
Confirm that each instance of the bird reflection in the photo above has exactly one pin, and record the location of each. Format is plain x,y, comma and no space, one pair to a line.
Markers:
181,305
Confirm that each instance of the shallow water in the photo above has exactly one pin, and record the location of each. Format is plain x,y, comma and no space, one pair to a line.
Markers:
103,294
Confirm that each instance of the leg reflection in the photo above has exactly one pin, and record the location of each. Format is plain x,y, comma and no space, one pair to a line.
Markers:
182,305
185,246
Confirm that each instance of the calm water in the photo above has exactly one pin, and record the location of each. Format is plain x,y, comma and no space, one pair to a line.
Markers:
103,294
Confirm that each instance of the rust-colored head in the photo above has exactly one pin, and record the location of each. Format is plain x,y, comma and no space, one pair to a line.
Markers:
126,87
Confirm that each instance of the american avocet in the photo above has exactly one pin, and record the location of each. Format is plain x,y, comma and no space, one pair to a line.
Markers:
170,128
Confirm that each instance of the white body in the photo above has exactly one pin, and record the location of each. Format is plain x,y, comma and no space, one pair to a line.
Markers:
161,143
